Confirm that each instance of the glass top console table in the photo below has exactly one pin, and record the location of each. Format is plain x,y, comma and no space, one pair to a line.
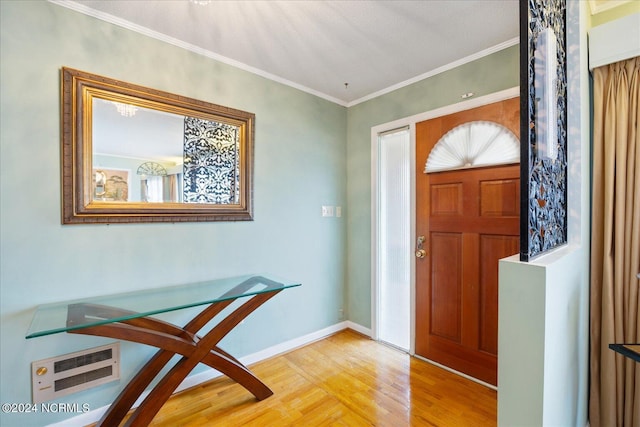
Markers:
128,317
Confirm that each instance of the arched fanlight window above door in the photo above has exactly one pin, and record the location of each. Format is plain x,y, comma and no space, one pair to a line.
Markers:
474,144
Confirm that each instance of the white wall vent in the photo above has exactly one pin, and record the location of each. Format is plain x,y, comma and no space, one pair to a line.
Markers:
73,372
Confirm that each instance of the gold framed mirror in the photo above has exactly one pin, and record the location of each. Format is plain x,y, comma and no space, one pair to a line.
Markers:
135,154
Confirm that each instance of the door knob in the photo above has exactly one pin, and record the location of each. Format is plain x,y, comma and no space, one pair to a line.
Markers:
420,252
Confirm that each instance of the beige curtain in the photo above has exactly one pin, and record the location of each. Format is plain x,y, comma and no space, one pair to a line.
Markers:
615,246
170,188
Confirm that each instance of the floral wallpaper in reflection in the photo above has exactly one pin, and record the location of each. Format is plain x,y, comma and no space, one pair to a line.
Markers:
211,162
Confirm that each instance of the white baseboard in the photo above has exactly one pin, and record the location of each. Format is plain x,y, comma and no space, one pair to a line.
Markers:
358,328
197,379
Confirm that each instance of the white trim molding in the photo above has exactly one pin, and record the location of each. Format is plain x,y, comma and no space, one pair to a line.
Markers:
438,70
84,9
598,6
614,41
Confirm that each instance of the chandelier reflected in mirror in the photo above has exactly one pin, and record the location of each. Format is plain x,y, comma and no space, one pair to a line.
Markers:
126,110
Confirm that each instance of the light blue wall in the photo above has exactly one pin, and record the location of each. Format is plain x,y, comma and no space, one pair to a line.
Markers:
484,76
309,152
300,152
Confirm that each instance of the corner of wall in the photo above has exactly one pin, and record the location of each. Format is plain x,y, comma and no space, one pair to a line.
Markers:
521,342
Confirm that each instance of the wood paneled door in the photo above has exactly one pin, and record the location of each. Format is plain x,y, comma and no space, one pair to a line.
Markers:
469,219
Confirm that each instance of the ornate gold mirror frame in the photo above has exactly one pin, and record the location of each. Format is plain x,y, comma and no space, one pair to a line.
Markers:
131,154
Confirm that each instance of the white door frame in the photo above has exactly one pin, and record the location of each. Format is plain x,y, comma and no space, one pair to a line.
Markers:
410,122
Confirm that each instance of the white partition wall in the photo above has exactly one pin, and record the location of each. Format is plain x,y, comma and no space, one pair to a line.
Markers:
543,305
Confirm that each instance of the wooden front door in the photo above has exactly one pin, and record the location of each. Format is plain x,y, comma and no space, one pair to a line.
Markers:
469,219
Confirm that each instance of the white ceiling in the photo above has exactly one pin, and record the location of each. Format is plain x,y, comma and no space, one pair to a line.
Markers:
318,46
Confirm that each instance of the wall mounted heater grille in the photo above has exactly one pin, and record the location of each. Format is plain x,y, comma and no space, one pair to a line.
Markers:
73,372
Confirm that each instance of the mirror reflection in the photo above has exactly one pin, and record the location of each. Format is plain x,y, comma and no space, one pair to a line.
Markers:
146,155
134,154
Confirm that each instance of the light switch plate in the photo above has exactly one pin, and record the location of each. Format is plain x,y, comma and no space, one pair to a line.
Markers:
327,210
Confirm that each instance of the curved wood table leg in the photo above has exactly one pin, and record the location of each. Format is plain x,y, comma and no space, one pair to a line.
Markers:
139,383
239,373
167,385
128,396
171,340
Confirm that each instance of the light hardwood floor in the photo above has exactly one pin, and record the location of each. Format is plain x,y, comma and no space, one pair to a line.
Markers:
343,380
